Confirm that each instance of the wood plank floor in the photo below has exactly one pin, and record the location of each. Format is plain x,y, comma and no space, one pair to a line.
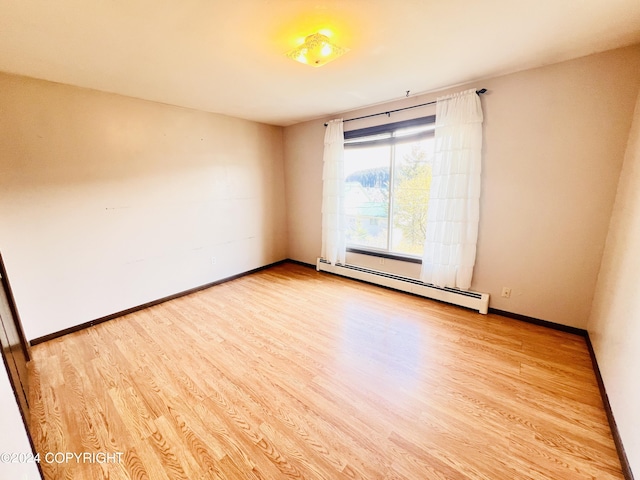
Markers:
290,373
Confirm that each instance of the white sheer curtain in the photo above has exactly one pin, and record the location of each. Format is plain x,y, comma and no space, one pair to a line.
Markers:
333,221
454,202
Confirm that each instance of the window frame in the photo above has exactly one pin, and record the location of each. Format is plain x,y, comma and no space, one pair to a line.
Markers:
379,130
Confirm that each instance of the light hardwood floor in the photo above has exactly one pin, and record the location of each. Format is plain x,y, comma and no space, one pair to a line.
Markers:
289,373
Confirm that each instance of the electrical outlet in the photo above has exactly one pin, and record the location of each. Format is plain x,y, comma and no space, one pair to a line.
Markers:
214,260
506,292
381,260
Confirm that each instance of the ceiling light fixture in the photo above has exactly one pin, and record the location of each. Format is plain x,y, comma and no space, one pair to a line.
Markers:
316,50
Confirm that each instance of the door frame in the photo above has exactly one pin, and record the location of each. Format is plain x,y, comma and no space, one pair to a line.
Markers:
24,344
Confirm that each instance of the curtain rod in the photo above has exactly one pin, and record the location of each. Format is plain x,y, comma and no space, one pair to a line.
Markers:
479,92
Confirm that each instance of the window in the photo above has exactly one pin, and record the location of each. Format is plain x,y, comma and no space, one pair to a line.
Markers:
387,179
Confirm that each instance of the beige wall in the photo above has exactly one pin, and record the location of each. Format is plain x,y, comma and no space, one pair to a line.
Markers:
108,202
614,325
554,143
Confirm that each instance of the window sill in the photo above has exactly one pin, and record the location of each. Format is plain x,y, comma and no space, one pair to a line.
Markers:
389,255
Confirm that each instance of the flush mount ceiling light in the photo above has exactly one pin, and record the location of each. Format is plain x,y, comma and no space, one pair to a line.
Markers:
316,50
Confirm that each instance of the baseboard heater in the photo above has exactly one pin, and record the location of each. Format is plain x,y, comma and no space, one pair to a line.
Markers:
463,298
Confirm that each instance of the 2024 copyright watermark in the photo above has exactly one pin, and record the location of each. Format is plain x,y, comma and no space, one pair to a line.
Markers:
61,457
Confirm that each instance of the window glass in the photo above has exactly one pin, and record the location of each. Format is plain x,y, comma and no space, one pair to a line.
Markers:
387,181
367,172
412,181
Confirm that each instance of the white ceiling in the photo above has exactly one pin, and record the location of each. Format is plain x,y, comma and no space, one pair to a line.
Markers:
228,56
